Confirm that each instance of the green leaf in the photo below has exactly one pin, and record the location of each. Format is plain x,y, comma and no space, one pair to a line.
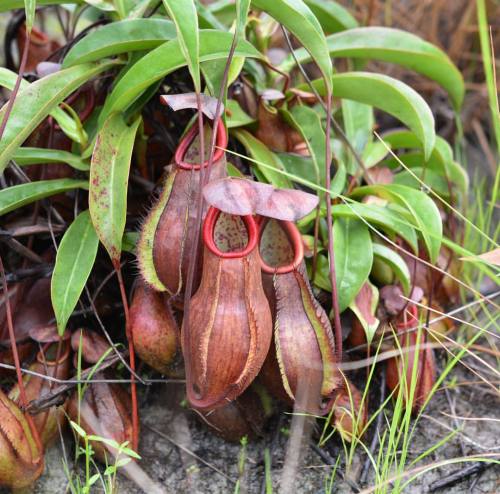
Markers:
99,439
213,70
297,17
74,261
213,73
395,46
307,123
332,16
353,260
34,103
8,79
301,167
30,9
109,171
35,156
139,10
121,462
242,7
396,263
339,180
260,152
374,153
232,171
206,19
129,242
422,212
387,94
431,178
387,219
17,196
129,451
164,60
6,5
67,124
185,17
104,5
94,478
358,126
78,429
235,116
223,10
120,37
440,160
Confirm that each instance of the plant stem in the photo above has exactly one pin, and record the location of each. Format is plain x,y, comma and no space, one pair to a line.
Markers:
336,125
489,67
133,386
193,255
490,75
17,85
87,464
329,221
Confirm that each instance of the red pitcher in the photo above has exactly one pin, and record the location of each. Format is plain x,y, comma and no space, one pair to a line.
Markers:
228,332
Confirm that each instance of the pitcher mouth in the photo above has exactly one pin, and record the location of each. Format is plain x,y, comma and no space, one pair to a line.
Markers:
411,317
293,234
52,362
208,235
220,142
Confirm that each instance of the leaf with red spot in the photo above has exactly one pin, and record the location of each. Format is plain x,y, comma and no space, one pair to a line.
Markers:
109,170
239,196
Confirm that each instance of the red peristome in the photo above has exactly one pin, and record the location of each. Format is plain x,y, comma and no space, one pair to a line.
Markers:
220,143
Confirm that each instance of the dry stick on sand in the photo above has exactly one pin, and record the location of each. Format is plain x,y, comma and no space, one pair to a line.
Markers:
459,475
326,457
189,452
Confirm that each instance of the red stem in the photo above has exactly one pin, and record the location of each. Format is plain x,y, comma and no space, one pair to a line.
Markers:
188,289
331,253
17,85
133,386
13,344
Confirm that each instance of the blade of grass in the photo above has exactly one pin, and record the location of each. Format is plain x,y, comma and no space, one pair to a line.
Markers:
489,67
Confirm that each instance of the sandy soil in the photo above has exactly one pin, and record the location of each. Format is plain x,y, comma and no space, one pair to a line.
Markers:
177,471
